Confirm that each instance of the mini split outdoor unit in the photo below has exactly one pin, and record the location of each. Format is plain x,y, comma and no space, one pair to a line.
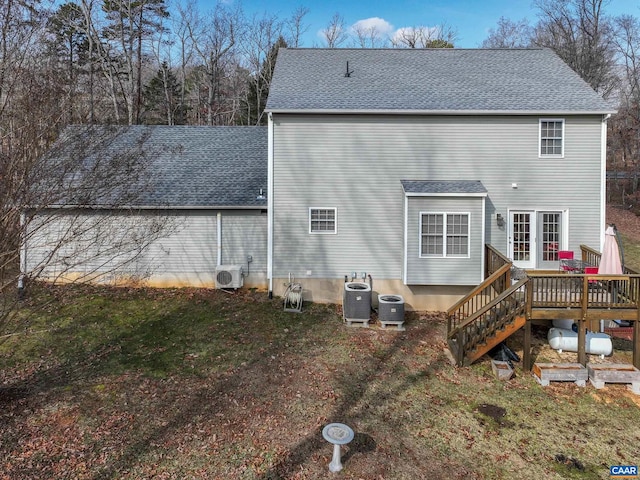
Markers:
356,301
229,276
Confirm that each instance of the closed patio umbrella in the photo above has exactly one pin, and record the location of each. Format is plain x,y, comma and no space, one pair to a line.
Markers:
610,263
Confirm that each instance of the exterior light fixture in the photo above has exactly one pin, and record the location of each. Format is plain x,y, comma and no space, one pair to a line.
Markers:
500,220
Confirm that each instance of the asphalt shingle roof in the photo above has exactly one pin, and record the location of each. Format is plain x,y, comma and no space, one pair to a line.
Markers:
189,166
463,187
429,80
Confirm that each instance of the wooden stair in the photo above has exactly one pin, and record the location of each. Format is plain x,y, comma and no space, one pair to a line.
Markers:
498,337
489,315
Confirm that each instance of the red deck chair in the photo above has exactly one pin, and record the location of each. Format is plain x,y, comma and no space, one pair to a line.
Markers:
563,256
591,271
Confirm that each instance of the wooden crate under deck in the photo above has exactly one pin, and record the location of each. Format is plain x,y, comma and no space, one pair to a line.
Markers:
560,372
602,373
502,370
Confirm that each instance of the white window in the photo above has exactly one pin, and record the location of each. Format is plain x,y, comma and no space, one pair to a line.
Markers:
551,137
323,220
444,234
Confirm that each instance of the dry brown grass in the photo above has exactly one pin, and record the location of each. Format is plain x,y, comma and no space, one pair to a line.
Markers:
179,384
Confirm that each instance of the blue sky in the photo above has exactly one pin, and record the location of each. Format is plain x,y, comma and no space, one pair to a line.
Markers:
471,18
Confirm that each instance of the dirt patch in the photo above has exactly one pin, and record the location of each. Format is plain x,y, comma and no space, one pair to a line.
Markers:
569,462
625,221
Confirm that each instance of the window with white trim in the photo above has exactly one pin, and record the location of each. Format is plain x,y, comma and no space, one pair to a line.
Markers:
323,220
444,234
551,137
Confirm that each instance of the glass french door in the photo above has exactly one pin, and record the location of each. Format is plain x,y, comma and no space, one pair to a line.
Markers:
521,239
535,238
550,239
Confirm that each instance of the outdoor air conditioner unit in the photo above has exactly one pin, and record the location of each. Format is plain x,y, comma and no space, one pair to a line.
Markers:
229,276
356,305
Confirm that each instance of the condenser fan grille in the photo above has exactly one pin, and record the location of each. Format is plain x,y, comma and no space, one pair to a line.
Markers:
224,277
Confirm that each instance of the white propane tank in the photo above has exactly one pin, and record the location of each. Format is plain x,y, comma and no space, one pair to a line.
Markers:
564,339
566,323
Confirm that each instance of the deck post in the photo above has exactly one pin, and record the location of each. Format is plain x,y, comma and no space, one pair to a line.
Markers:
527,363
582,326
526,360
636,341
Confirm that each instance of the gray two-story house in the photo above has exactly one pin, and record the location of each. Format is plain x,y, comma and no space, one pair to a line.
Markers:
402,164
396,165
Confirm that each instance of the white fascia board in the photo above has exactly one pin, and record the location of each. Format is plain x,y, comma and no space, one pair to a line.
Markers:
460,195
336,111
148,207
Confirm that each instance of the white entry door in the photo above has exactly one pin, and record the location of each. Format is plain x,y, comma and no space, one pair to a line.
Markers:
522,248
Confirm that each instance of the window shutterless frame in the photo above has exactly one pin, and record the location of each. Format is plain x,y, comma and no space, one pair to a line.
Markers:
551,137
444,235
323,221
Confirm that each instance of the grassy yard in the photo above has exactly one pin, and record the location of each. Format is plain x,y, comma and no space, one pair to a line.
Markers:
181,384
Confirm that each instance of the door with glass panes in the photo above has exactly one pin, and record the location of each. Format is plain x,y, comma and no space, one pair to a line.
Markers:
535,238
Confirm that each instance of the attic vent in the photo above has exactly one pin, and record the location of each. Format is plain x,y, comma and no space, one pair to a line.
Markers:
348,72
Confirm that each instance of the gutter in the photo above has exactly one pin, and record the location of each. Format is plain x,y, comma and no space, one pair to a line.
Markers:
148,207
336,111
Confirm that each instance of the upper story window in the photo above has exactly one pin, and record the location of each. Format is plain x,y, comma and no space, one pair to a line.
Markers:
444,235
323,220
551,137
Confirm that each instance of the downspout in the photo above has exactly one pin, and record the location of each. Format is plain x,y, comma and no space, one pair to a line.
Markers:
603,181
219,236
23,254
270,203
484,239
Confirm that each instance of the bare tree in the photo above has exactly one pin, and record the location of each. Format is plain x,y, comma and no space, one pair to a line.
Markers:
582,35
296,27
368,36
214,41
509,34
69,214
441,36
260,48
335,34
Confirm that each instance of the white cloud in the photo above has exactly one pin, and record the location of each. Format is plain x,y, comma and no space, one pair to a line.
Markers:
373,24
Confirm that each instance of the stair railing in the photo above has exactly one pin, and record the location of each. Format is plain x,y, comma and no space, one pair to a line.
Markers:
480,296
484,323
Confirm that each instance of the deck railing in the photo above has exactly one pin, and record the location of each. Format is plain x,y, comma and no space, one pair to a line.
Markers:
480,296
583,291
494,260
592,257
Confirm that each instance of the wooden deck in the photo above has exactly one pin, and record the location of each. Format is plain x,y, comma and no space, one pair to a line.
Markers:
586,299
498,307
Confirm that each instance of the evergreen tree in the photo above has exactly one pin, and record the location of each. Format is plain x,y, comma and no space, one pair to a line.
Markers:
67,44
162,99
131,24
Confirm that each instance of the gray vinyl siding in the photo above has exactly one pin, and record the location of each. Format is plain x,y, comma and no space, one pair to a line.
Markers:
184,249
244,235
444,270
355,164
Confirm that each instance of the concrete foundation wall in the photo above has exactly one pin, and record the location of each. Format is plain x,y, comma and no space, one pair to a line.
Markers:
420,297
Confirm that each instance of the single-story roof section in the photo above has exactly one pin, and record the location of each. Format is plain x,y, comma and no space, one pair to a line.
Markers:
429,81
162,166
422,188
